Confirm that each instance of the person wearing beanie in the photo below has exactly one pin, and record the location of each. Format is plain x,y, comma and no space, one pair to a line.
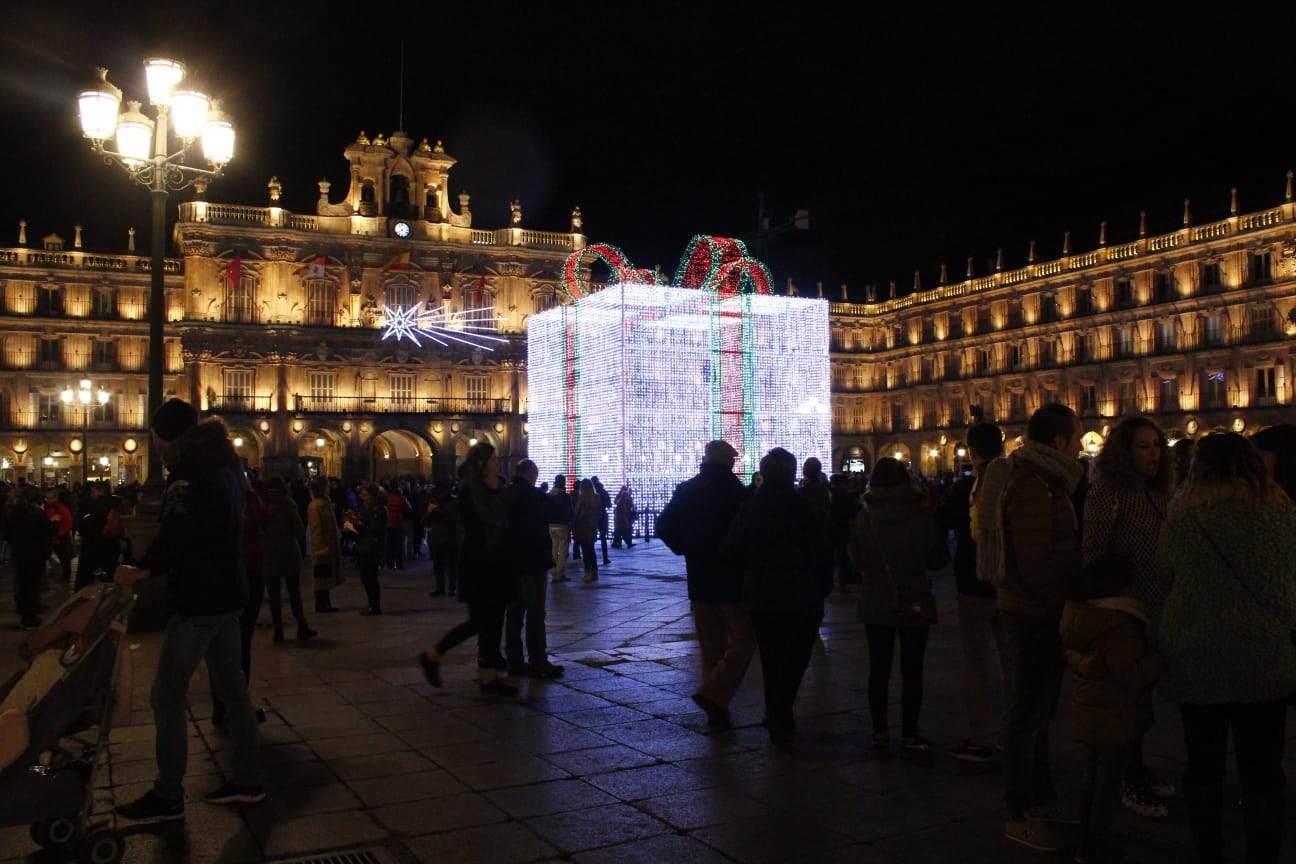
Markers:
198,552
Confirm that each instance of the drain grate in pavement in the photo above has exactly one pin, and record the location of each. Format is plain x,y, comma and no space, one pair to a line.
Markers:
374,855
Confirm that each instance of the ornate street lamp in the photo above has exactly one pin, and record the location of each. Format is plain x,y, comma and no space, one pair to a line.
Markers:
85,395
193,117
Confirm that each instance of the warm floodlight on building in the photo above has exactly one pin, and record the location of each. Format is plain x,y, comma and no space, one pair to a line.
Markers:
630,382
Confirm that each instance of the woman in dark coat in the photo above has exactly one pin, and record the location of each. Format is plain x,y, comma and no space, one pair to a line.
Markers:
29,546
894,542
370,543
780,541
485,578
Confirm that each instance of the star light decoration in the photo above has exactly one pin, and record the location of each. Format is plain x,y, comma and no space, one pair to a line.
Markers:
629,381
438,324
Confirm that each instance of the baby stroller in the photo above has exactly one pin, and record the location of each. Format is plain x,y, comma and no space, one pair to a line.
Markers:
76,679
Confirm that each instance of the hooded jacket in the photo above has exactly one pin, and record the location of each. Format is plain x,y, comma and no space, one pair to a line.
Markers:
199,545
1105,643
893,543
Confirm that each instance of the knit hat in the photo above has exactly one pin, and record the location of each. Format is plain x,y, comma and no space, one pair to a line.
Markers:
173,418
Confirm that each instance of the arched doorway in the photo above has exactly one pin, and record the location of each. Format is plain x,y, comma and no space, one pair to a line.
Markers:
467,438
249,447
854,460
399,453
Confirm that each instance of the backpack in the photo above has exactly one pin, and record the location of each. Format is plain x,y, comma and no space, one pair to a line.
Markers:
986,512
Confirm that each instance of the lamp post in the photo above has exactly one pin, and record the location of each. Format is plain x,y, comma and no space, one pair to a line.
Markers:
193,117
85,395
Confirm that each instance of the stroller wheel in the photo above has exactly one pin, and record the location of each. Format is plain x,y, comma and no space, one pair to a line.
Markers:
102,846
54,833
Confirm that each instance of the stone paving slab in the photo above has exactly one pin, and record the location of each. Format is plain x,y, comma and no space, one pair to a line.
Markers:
610,764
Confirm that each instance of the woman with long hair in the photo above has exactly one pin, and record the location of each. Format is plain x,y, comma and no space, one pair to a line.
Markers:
586,514
1226,633
485,581
371,537
1130,487
325,544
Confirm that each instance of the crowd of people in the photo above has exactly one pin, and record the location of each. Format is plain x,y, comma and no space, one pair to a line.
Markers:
1146,568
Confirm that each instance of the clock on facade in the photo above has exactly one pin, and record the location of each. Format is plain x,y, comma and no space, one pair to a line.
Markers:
401,229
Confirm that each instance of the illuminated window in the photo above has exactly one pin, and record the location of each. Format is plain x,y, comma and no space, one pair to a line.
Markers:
402,392
49,407
321,390
321,299
103,353
237,389
238,300
401,294
50,354
1088,399
477,390
104,303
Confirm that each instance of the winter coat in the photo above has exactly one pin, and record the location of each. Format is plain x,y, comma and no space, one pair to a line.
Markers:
1106,646
1226,629
282,546
199,544
1041,531
694,524
325,546
893,543
585,521
484,572
530,549
27,528
780,542
558,507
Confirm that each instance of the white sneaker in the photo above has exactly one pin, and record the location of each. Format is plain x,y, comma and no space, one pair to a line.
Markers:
1033,834
1143,801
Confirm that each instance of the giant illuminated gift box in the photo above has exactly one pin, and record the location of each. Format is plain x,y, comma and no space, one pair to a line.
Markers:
629,383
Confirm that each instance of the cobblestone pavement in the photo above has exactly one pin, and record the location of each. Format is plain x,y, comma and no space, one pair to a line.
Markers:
610,763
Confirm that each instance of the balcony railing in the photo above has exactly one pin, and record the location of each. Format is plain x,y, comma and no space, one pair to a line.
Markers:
395,405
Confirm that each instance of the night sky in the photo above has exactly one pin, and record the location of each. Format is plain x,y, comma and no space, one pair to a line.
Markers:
914,137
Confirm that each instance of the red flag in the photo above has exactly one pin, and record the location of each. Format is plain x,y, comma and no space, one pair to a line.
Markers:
234,270
313,270
400,262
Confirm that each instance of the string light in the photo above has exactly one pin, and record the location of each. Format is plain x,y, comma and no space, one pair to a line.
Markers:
630,382
438,324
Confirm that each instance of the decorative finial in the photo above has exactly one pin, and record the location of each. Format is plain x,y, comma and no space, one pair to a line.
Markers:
999,260
276,189
577,221
1142,223
891,290
76,237
379,140
1233,202
791,288
1066,242
1030,255
362,139
438,148
843,292
130,240
1187,217
22,231
819,286
1289,185
969,267
424,147
515,217
943,277
917,282
1102,233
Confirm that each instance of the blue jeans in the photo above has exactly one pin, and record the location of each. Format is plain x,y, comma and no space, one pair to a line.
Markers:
1037,669
1100,789
187,642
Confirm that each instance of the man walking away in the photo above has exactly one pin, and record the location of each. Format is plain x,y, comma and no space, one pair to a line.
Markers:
693,524
198,549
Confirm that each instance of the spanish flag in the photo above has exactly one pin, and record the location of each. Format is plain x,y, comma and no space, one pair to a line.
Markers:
234,270
400,262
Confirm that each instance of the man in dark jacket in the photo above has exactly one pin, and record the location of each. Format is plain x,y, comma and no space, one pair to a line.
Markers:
198,549
780,541
693,524
530,557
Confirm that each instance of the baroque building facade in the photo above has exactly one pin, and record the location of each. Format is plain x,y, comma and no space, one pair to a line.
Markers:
1195,328
277,321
